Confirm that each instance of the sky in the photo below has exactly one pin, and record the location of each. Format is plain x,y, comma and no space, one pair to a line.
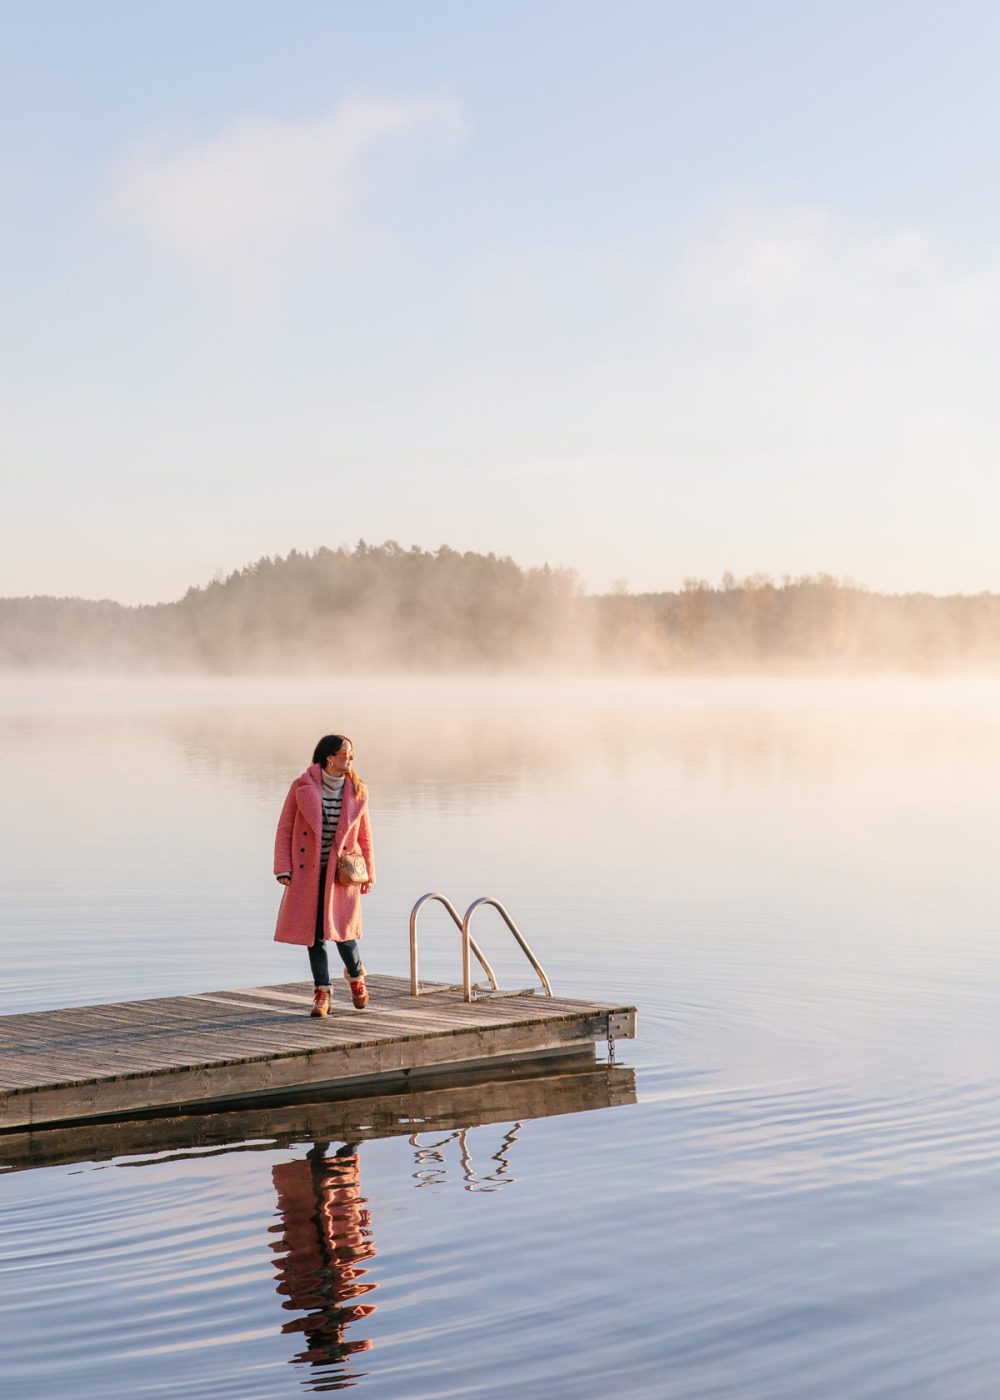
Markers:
649,290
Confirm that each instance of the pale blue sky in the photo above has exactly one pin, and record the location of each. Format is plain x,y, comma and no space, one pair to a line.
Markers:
648,289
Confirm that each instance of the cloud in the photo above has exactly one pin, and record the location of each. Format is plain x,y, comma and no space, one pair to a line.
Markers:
238,205
811,333
801,266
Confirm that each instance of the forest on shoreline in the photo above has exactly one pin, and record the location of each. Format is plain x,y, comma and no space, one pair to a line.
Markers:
386,608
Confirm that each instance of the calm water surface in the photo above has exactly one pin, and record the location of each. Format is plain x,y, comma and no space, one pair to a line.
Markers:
796,882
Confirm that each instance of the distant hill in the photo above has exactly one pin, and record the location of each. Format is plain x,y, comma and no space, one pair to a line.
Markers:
374,607
383,607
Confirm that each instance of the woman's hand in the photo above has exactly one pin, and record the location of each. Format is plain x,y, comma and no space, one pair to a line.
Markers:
368,886
283,879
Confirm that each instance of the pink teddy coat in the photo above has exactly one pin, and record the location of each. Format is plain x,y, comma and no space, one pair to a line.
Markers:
298,848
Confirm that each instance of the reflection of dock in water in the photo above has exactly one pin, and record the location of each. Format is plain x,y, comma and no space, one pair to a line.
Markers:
571,1083
322,1239
188,1052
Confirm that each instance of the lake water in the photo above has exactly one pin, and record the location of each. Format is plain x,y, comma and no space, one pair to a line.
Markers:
797,884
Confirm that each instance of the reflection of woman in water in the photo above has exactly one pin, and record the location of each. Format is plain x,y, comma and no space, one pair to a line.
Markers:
324,820
325,1237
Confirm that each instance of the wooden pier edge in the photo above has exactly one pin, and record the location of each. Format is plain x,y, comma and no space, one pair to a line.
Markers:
504,1092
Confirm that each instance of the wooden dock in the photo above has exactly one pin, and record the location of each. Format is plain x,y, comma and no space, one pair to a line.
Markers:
176,1054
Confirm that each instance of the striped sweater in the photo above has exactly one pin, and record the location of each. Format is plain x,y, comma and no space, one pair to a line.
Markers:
333,796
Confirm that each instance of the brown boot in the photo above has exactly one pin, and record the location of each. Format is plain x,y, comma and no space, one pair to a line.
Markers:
359,991
321,1002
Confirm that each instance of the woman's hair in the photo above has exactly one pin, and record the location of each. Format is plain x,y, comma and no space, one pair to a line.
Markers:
327,747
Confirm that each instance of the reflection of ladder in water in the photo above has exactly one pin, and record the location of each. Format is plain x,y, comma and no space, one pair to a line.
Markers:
470,991
432,1171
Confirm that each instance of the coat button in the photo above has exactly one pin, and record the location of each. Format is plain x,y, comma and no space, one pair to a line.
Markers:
302,850
302,867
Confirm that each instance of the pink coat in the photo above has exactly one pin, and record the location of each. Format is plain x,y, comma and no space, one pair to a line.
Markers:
298,848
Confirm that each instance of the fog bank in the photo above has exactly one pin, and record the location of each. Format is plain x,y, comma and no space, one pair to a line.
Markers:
385,608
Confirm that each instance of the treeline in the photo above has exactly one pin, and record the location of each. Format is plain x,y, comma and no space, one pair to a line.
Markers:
814,622
374,607
388,608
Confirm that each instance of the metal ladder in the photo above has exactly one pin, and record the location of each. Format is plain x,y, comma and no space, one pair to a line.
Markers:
470,990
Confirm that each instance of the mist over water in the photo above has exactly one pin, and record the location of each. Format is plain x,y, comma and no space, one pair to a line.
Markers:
794,881
413,612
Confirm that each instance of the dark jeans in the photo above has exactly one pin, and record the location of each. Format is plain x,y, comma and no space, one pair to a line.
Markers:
348,950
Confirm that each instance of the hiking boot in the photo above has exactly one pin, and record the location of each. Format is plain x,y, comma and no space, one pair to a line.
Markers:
321,1002
359,991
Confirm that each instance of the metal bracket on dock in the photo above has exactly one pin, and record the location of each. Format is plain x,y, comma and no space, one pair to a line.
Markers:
469,946
621,1025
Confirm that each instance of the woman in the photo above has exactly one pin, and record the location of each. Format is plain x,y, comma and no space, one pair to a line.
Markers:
325,817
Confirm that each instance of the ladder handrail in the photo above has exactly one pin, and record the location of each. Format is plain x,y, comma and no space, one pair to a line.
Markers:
522,942
469,944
